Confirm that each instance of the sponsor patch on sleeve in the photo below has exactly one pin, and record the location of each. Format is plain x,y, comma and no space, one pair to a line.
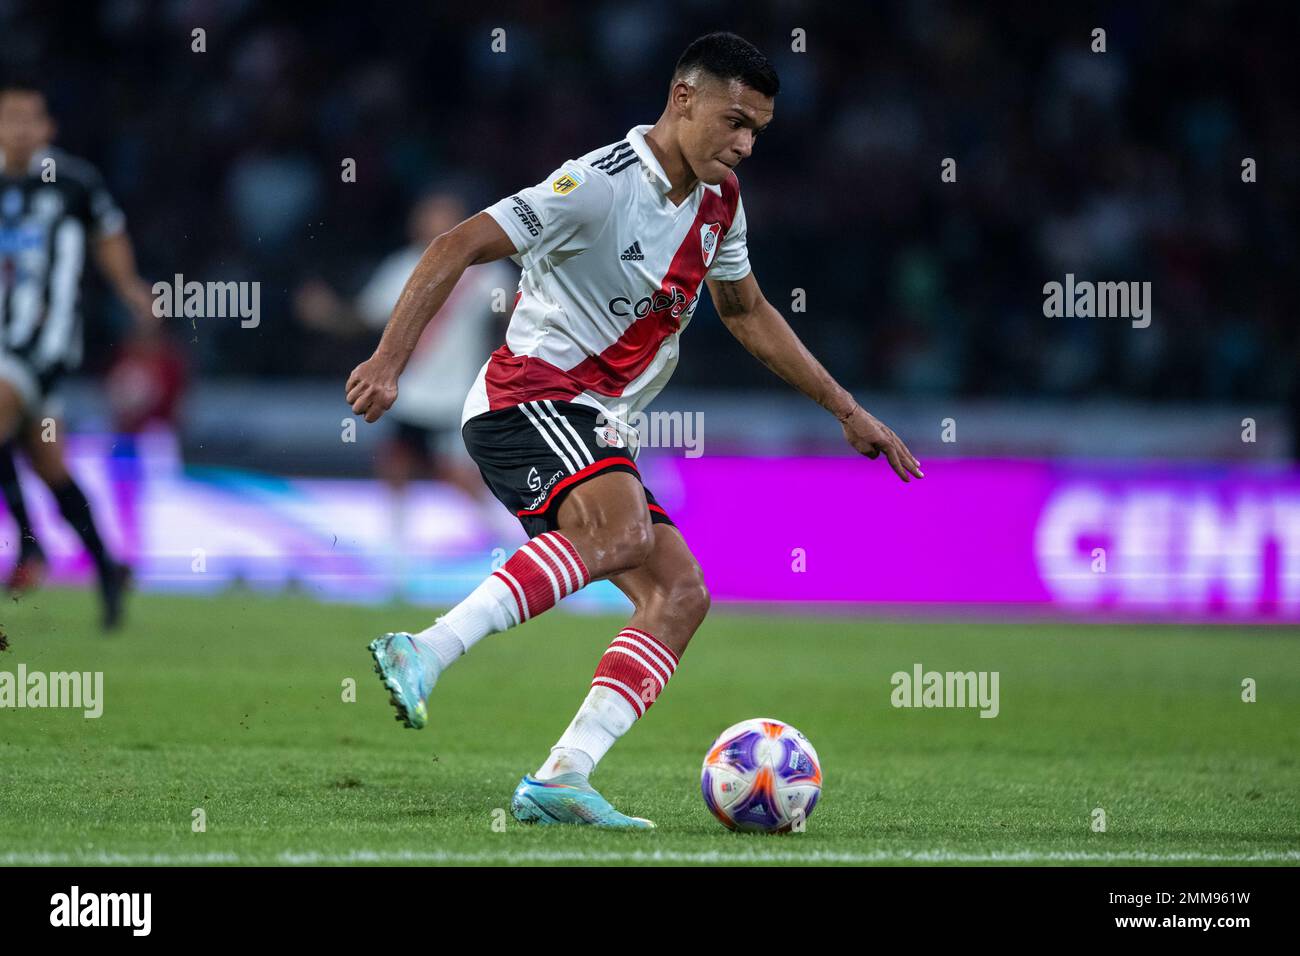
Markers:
525,214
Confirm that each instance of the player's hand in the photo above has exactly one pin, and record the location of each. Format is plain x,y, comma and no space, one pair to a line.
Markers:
372,389
872,437
138,296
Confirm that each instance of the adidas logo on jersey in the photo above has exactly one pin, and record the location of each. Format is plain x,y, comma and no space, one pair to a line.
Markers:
633,253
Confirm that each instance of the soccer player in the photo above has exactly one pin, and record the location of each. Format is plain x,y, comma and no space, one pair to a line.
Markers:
53,209
614,247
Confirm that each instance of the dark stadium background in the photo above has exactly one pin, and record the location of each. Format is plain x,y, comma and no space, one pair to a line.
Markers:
1121,165
1109,522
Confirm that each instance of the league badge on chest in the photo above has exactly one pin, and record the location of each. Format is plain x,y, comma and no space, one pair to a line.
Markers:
709,241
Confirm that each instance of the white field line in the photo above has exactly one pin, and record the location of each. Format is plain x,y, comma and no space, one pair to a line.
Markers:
506,856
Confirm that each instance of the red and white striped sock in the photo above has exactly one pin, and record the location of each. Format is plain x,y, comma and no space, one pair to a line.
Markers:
540,574
534,579
631,675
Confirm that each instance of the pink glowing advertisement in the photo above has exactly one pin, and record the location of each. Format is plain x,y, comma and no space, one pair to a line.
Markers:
1191,542
1188,542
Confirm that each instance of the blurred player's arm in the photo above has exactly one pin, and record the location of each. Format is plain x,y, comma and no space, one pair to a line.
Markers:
372,386
114,256
115,259
318,307
764,332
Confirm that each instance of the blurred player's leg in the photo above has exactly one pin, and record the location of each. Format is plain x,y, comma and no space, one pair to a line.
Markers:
29,566
417,452
14,383
47,461
12,402
400,461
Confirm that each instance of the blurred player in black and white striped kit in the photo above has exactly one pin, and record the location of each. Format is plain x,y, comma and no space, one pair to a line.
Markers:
54,209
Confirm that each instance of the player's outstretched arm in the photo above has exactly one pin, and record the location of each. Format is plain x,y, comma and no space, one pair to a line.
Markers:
372,386
115,257
761,329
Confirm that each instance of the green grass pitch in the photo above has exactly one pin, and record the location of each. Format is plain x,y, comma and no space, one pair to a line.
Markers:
235,705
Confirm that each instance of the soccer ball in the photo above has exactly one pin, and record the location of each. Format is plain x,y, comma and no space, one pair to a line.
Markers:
761,776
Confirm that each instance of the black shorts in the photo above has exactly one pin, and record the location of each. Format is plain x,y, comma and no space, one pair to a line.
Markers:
532,455
36,387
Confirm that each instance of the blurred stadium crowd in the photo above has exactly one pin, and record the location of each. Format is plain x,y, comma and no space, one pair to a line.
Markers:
1117,166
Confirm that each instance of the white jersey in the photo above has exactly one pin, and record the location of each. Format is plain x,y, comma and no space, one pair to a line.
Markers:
612,272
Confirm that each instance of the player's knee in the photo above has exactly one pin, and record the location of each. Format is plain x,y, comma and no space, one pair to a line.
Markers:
688,595
632,543
11,411
50,469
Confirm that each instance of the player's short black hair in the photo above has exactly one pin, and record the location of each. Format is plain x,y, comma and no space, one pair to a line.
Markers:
729,57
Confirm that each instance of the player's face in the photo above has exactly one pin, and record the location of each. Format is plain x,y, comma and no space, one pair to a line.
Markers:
25,126
719,129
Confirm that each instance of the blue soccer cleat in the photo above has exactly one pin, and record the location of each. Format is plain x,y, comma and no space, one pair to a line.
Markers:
568,798
408,674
